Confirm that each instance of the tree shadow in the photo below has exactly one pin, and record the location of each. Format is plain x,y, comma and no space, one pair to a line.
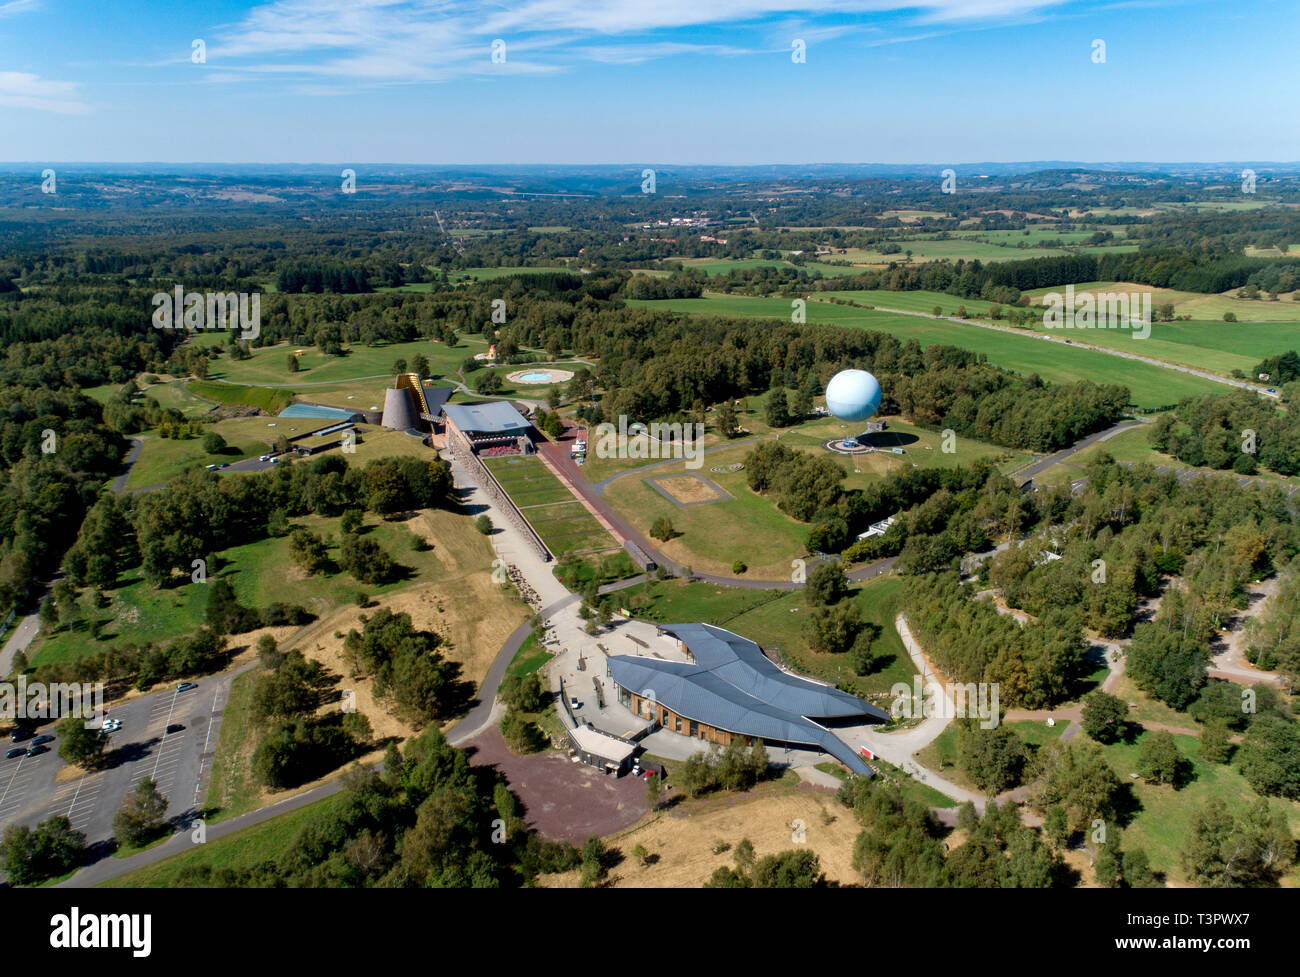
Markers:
1127,804
888,439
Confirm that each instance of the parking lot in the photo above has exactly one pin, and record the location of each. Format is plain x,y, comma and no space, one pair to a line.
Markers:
168,736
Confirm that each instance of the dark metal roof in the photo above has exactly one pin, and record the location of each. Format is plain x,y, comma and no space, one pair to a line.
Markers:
435,397
732,685
495,417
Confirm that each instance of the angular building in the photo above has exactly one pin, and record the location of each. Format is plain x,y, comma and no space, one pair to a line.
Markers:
728,688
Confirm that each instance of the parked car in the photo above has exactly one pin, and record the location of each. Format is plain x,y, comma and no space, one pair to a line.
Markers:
16,752
574,703
44,738
186,686
175,727
18,735
112,725
264,458
38,750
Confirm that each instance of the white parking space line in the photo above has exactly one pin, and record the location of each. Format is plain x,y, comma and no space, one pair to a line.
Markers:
16,772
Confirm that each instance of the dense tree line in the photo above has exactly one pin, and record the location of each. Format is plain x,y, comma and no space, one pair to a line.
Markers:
1239,431
428,820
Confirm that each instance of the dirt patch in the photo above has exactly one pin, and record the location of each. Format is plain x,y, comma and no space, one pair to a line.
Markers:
681,842
564,801
473,615
687,489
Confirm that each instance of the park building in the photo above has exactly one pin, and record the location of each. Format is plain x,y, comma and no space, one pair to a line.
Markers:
726,688
490,428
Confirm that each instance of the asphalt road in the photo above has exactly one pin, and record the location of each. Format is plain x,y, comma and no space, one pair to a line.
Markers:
31,789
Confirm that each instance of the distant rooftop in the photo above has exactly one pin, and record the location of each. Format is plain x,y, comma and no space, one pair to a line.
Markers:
495,417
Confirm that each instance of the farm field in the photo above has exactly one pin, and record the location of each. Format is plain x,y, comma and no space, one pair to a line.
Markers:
458,275
1216,346
1150,386
555,513
918,301
1196,304
953,249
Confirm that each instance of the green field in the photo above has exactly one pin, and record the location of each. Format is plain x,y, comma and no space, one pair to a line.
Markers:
271,401
259,572
163,458
459,275
918,301
746,527
1150,386
953,249
268,366
242,850
1203,308
1164,816
563,523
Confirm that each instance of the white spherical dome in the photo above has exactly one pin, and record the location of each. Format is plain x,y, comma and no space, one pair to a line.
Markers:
853,395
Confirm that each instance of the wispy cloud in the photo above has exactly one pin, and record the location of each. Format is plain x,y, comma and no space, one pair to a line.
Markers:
17,6
28,91
403,41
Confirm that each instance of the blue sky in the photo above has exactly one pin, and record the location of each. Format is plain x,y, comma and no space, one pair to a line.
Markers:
647,81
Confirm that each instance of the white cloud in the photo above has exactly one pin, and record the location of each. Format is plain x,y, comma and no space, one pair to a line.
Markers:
17,6
397,41
28,91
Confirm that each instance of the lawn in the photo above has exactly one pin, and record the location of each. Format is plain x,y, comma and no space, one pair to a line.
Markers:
1164,816
242,850
1150,386
711,537
268,366
259,572
231,788
563,523
749,527
530,657
163,458
271,401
